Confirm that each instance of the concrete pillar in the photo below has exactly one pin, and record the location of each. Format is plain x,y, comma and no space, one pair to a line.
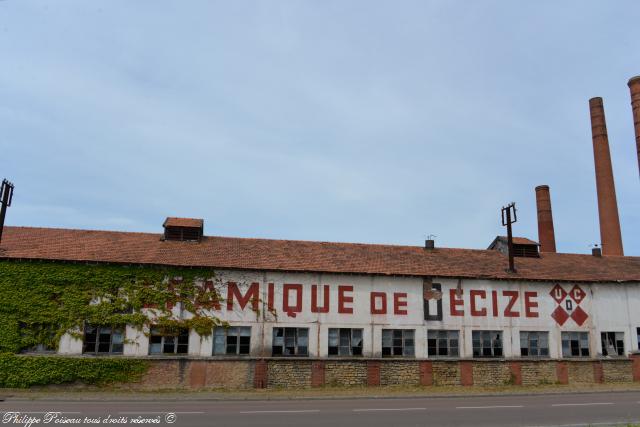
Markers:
546,234
610,235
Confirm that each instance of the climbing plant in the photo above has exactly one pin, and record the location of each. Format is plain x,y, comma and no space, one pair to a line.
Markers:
41,301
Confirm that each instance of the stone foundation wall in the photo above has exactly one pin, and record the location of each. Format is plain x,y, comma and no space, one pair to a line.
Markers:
491,373
400,373
446,373
345,373
205,373
539,373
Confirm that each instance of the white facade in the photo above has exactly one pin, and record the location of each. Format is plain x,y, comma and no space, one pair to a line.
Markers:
467,305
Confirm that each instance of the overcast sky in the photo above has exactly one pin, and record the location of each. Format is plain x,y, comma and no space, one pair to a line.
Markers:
358,121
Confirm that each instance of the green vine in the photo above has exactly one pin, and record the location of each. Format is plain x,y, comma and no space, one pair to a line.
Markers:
22,372
41,301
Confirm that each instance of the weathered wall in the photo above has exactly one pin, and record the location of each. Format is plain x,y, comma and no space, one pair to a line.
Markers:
184,373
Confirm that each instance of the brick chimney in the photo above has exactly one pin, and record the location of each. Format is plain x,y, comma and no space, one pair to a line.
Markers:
610,236
634,87
546,235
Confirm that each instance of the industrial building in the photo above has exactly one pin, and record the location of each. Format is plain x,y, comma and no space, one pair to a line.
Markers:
302,299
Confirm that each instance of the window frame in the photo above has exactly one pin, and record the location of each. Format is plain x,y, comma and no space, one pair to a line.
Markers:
346,333
437,347
299,341
580,347
97,343
238,335
604,335
177,345
539,335
406,336
493,336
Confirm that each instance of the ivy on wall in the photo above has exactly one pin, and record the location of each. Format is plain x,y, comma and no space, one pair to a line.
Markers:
22,372
41,301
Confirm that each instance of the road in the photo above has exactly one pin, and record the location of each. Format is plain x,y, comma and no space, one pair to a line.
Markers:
592,409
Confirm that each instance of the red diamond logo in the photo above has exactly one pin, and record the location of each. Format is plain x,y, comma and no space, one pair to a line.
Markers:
577,294
558,293
579,316
560,315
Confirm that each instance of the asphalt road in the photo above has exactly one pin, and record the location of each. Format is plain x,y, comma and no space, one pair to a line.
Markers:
593,409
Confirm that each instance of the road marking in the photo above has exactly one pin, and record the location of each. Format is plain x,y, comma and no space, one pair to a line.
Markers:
582,404
388,409
281,412
490,407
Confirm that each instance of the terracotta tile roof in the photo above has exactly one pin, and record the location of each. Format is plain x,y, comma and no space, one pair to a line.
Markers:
522,241
288,255
183,222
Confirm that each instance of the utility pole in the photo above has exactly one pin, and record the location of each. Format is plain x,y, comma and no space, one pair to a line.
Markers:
6,194
507,220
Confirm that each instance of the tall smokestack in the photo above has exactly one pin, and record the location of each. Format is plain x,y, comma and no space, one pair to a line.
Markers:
634,87
610,236
546,235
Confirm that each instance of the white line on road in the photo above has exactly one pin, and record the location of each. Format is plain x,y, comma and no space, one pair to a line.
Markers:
490,407
281,412
582,404
388,409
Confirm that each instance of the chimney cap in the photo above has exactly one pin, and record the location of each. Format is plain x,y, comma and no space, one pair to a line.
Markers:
597,252
542,187
633,80
597,100
429,244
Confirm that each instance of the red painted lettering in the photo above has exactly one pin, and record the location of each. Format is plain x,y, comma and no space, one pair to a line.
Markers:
270,298
378,296
345,299
529,305
494,301
291,310
314,299
400,303
472,296
513,298
454,302
253,295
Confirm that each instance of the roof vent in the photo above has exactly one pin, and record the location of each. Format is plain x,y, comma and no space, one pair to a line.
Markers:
429,244
596,251
522,247
183,229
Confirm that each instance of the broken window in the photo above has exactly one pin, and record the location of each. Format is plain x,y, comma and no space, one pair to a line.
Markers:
534,344
345,342
638,333
443,343
290,342
177,343
612,343
575,344
232,340
398,342
487,343
103,340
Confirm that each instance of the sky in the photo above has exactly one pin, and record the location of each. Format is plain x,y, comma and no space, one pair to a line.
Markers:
351,121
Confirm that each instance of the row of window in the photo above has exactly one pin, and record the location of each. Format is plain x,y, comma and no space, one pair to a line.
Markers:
236,340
